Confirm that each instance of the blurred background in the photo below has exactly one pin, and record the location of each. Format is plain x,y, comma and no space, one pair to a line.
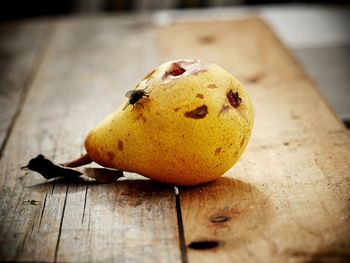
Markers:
317,32
20,8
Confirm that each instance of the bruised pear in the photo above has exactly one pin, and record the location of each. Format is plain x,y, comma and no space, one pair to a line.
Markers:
186,123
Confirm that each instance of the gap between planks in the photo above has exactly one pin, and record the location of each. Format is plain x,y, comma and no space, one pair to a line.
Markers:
180,225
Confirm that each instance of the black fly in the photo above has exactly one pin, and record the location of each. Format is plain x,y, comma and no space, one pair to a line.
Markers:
134,97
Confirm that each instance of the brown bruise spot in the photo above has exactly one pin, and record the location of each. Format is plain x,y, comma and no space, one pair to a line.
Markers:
149,74
224,109
197,113
200,95
110,156
217,151
177,109
141,118
209,39
233,98
212,86
120,145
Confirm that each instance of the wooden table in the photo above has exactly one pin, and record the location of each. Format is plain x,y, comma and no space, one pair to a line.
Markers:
286,200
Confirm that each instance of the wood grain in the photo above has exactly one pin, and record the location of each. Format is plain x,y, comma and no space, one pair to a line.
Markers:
287,199
21,48
85,72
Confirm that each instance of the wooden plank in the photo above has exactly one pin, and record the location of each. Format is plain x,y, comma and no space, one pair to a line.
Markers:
287,199
87,69
21,48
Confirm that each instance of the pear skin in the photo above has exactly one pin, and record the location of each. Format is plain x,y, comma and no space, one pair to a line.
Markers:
192,126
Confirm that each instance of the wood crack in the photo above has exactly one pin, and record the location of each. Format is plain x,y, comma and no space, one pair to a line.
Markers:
85,199
53,186
61,224
89,224
42,211
23,242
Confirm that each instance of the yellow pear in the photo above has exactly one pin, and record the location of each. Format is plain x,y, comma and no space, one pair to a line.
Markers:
186,123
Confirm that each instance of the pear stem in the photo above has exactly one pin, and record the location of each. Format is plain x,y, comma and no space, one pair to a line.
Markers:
82,160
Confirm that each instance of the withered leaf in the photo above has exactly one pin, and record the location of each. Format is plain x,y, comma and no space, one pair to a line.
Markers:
50,170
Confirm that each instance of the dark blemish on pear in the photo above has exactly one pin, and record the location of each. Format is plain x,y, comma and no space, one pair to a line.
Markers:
120,145
212,86
233,98
176,109
197,113
135,96
242,142
200,95
217,151
48,169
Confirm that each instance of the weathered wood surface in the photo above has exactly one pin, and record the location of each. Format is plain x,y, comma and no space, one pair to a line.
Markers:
287,200
84,74
21,48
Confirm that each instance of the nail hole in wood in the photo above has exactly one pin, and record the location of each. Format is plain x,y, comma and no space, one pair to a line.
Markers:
219,219
203,245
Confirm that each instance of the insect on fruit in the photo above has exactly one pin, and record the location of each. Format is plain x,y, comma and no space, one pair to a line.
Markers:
134,97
